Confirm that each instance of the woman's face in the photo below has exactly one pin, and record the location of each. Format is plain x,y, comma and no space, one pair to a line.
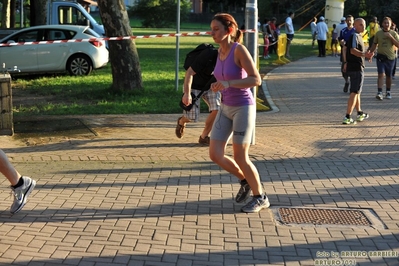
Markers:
217,31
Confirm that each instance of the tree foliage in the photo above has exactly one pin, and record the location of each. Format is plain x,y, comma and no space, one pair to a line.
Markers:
307,9
215,6
159,13
370,8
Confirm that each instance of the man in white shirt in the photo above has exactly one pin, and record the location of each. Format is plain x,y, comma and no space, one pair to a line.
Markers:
289,30
322,30
341,25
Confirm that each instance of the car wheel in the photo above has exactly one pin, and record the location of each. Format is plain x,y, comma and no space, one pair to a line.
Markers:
79,65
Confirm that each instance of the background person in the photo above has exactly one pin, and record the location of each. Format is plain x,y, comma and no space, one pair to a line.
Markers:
385,40
394,28
341,25
266,35
21,186
289,30
372,29
334,40
273,36
343,37
236,73
313,30
322,32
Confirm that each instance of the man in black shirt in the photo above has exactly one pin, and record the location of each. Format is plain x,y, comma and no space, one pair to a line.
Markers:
199,77
353,56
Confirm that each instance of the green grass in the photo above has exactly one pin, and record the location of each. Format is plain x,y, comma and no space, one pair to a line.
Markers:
92,95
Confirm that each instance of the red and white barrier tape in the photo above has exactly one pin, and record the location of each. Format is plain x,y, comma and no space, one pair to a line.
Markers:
116,38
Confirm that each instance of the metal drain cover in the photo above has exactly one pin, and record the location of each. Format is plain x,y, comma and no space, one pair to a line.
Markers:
327,217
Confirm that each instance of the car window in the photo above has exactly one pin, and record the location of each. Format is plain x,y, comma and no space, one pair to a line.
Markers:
26,36
53,35
72,34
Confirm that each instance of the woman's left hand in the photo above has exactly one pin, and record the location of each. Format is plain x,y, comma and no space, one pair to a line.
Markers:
219,85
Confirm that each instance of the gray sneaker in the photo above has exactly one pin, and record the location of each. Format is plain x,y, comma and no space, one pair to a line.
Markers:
244,192
256,204
21,194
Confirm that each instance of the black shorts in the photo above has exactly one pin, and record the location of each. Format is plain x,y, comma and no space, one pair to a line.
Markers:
290,37
356,78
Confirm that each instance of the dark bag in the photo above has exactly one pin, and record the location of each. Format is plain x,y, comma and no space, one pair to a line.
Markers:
192,55
382,57
194,99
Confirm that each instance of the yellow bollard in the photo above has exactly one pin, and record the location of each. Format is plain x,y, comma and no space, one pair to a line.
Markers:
281,47
259,105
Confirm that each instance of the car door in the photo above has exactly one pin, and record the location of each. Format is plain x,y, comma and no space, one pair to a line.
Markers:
23,56
53,56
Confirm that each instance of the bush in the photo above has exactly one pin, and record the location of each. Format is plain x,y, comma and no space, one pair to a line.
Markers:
159,13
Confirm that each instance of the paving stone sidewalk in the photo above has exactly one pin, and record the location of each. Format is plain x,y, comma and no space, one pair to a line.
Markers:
128,192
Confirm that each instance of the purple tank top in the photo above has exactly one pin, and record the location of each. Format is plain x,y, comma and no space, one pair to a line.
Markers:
228,70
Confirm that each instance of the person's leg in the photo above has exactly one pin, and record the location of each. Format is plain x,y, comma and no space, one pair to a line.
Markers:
218,156
388,82
319,47
351,103
389,65
212,99
21,186
243,127
208,124
266,48
355,79
380,81
220,134
344,74
287,48
313,39
323,48
271,46
248,169
8,170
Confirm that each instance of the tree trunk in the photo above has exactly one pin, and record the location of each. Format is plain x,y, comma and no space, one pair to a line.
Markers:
5,14
124,59
38,13
12,13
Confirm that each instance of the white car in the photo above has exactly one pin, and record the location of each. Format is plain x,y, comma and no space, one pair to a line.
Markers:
76,57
